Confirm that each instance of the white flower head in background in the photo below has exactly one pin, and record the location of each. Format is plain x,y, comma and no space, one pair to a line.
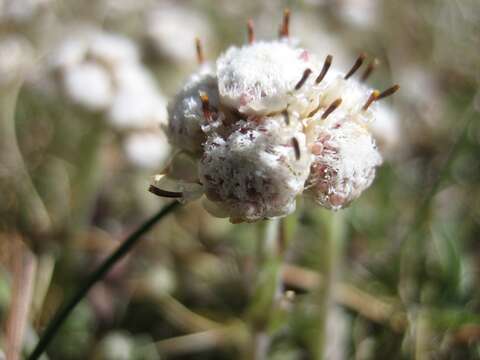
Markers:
165,30
21,11
102,72
270,122
16,59
147,149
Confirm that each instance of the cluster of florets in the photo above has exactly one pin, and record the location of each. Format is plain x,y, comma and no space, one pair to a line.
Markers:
102,73
269,122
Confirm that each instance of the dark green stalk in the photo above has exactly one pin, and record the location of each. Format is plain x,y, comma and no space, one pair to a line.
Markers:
96,276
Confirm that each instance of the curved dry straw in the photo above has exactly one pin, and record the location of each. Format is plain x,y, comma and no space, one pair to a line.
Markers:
97,275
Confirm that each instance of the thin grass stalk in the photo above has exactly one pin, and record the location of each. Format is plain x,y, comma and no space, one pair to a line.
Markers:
98,274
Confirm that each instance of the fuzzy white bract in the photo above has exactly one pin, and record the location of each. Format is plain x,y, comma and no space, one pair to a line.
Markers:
268,124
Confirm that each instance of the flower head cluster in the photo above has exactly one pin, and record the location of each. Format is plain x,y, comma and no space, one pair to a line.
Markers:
102,73
269,122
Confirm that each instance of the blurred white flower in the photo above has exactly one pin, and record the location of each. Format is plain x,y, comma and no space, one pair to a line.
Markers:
116,346
358,13
147,149
102,72
386,131
16,58
21,11
172,28
89,85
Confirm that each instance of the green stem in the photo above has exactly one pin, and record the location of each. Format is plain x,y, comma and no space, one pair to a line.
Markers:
329,245
96,276
88,175
268,288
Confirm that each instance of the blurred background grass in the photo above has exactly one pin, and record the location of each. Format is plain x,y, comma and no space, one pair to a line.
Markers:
405,283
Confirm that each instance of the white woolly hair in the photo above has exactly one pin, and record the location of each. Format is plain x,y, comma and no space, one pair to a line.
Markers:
185,112
344,166
255,172
259,78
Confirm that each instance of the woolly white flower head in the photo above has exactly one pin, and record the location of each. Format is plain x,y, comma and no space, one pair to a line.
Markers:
258,78
257,171
186,111
270,124
344,166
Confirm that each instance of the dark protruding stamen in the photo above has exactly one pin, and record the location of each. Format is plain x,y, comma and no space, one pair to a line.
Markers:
286,116
358,63
314,111
285,28
199,48
296,148
371,99
326,66
205,105
390,91
372,65
250,31
331,108
304,78
164,193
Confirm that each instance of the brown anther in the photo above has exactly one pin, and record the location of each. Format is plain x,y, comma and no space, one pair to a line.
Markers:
304,78
250,31
331,108
356,65
285,27
390,91
164,193
296,148
286,116
199,48
205,105
372,65
313,112
326,66
371,99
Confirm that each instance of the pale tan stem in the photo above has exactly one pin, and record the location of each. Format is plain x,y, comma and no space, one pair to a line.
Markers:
23,275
